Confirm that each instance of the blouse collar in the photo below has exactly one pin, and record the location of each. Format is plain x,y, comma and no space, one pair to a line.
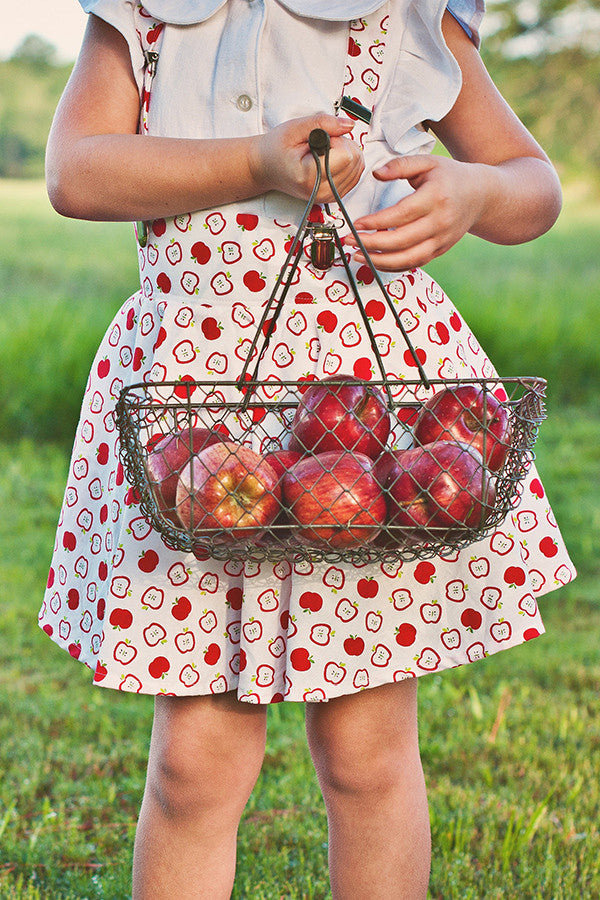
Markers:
188,12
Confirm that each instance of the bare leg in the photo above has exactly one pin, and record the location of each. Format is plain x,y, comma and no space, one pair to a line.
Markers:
366,755
205,756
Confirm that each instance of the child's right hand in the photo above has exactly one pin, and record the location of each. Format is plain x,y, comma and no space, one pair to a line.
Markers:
282,161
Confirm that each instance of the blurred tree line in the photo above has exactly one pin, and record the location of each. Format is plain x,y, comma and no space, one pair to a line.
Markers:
543,54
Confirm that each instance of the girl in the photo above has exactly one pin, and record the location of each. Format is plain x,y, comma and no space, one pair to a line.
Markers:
217,165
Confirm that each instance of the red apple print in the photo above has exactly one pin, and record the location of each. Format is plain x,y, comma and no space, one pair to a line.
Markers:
406,634
327,320
148,561
75,650
471,618
304,297
73,598
537,488
181,609
514,575
185,388
101,672
300,659
138,359
364,275
362,369
159,226
104,513
49,630
103,368
307,379
164,284
375,309
102,453
367,587
201,253
424,572
101,608
316,214
455,321
353,47
130,321
103,571
69,540
160,339
120,618
51,577
530,633
210,329
254,281
212,654
354,646
247,221
549,547
444,334
409,359
159,666
153,35
311,600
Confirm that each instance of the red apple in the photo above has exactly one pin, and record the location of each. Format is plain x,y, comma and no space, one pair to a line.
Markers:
282,461
470,414
341,413
335,498
437,490
228,486
168,457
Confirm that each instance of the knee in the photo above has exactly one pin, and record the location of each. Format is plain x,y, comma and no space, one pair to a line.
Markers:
364,753
212,770
357,772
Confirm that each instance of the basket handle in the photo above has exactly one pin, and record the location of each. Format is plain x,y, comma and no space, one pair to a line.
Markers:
320,144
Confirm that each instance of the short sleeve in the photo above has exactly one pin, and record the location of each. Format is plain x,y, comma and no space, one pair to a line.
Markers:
121,14
426,78
469,14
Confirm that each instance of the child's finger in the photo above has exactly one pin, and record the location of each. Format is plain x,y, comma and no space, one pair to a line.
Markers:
405,167
406,210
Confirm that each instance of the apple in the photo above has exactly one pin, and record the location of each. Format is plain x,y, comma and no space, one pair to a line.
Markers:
281,461
467,413
340,413
228,486
437,490
167,459
335,499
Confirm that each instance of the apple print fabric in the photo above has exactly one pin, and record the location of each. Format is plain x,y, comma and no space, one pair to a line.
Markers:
149,619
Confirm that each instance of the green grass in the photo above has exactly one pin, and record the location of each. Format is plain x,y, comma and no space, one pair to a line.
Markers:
511,747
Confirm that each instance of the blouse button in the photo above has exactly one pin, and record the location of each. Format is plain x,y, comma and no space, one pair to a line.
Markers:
244,103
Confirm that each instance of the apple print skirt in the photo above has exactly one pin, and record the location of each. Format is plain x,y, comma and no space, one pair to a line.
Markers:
149,619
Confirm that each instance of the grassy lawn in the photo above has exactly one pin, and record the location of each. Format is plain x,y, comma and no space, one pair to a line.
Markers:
511,747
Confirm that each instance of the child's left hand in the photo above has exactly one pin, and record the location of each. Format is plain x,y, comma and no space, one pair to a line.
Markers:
447,200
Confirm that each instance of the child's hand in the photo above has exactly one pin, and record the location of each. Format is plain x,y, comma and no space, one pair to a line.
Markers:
447,201
282,161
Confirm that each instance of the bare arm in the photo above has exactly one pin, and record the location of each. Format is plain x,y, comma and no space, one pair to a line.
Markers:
98,167
499,185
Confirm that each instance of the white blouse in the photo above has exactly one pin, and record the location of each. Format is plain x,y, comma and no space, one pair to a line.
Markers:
238,67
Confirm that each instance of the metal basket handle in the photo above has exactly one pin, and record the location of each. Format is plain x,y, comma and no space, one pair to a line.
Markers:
319,143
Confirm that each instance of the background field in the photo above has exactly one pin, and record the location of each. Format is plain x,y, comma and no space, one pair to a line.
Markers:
511,747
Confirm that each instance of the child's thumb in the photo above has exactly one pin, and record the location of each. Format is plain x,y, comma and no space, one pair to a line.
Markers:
333,125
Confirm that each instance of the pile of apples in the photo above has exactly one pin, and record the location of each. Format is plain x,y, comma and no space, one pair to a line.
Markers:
338,483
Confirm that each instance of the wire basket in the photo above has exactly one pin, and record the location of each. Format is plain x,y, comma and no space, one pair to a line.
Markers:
343,504
339,470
